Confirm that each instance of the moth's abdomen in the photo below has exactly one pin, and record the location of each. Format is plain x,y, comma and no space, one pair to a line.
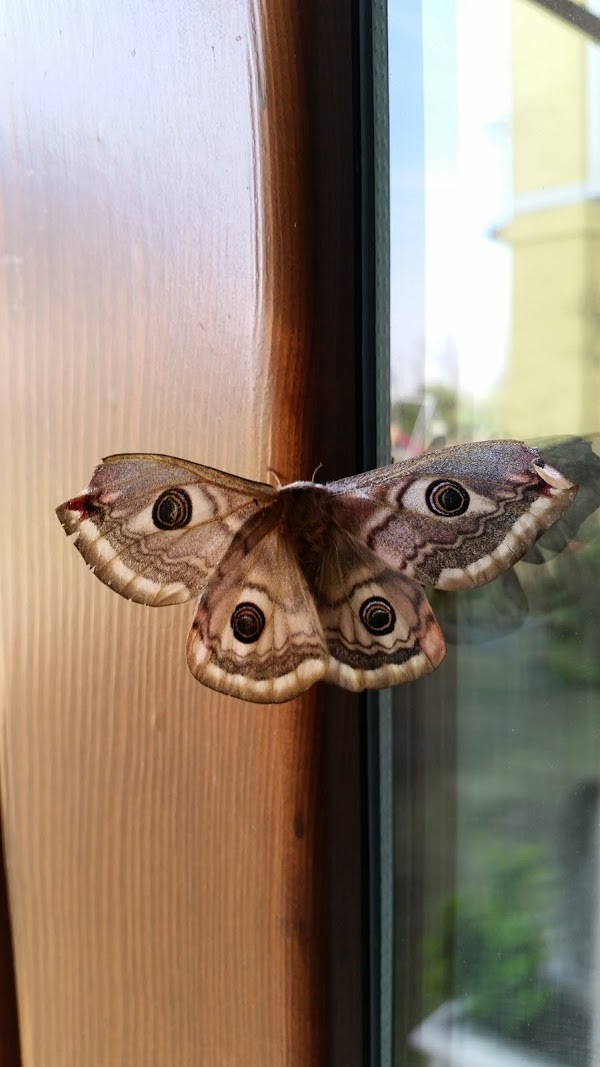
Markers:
308,524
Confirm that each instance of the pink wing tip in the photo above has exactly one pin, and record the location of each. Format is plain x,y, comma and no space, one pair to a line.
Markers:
552,477
78,503
83,506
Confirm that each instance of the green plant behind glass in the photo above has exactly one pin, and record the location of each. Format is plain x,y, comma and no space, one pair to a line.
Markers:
489,946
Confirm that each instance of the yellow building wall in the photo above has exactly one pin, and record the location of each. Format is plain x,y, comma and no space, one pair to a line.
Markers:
553,377
549,89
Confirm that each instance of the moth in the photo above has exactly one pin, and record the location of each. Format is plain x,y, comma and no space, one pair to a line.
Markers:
305,581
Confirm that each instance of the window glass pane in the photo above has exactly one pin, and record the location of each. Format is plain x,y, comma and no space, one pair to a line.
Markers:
495,297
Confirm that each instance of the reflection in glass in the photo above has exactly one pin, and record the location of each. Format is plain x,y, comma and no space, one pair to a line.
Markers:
495,292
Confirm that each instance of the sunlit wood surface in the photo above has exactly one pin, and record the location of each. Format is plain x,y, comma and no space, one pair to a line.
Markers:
163,843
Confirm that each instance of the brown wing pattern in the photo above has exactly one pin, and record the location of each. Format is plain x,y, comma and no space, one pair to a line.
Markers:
256,633
154,527
378,625
313,582
502,497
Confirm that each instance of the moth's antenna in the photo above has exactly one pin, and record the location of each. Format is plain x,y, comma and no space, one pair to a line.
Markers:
316,471
276,476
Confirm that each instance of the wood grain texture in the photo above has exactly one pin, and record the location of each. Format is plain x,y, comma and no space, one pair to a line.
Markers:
10,1052
164,845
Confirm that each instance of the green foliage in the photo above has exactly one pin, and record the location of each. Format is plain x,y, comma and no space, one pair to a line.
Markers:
574,627
404,415
440,401
489,945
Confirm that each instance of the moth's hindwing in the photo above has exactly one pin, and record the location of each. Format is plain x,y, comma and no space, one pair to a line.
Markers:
379,627
256,633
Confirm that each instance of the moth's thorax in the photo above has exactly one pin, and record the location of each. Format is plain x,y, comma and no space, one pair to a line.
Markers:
306,510
307,517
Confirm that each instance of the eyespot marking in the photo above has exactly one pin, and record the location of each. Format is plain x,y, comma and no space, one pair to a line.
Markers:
172,510
447,498
377,616
247,622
